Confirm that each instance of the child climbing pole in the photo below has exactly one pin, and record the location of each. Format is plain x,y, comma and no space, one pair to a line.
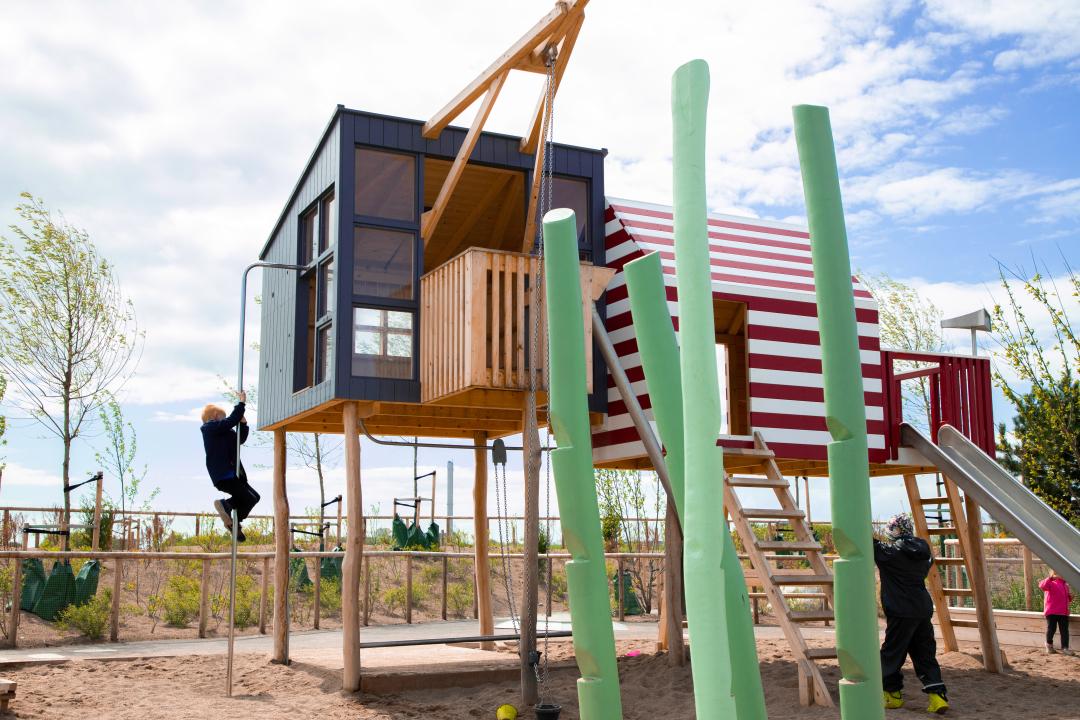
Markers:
228,475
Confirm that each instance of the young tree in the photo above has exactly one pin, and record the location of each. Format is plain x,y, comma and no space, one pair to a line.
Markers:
118,455
1044,447
70,337
908,321
318,453
3,425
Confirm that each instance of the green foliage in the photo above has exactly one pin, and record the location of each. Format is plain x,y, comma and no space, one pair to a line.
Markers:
908,321
459,539
180,601
609,527
330,595
85,538
247,602
394,599
6,584
558,585
69,334
459,598
1044,449
3,421
118,456
91,618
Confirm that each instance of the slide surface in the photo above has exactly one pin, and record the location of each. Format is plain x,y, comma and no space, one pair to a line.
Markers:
1049,536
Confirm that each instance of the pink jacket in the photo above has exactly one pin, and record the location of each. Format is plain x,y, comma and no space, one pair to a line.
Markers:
1056,596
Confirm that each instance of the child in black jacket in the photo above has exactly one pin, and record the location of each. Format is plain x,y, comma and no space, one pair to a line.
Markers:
903,562
228,476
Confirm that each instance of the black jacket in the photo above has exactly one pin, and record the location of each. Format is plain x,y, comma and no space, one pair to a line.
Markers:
903,565
219,441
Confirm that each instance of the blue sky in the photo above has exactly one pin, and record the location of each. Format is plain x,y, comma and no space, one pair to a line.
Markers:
174,134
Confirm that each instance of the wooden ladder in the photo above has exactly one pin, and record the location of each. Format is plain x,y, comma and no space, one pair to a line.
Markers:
969,565
773,578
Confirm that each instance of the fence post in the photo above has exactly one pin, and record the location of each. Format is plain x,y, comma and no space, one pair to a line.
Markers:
367,590
408,588
619,589
318,589
757,612
7,528
197,533
445,572
114,614
16,599
262,595
204,598
1029,571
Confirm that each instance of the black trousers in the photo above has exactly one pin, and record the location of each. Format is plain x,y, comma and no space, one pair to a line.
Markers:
242,497
912,637
1061,622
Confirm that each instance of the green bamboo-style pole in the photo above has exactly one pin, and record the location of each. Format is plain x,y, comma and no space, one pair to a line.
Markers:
845,411
659,352
571,463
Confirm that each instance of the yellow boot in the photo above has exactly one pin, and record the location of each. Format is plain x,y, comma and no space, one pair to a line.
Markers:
893,700
938,704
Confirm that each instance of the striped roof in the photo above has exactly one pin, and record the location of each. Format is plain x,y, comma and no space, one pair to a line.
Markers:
767,266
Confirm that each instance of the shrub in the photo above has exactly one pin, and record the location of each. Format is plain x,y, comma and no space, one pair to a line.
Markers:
558,585
610,525
459,598
180,601
394,598
91,618
330,595
431,574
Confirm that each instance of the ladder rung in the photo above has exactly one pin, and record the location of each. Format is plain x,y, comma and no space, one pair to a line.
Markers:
756,482
960,592
792,545
820,653
810,615
772,513
964,623
803,579
946,530
940,500
793,595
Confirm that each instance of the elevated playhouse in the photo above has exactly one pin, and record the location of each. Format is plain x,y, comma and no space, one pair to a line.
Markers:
415,314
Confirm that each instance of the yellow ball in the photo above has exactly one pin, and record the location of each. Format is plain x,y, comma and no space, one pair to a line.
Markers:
506,712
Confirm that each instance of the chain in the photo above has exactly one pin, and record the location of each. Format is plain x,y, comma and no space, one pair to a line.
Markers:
502,508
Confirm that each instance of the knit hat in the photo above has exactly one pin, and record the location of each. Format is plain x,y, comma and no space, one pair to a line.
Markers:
899,526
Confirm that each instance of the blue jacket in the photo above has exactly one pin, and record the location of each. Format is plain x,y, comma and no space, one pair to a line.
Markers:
219,441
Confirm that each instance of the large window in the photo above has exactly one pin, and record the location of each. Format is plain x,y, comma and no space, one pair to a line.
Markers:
309,222
385,185
574,194
315,297
328,226
384,263
382,343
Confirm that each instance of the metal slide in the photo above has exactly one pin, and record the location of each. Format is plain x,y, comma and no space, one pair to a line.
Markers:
1036,524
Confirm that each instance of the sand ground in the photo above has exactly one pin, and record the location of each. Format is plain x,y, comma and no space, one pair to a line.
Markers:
1035,686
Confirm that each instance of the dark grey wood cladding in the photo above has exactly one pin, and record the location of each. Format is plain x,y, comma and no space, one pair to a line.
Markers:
332,166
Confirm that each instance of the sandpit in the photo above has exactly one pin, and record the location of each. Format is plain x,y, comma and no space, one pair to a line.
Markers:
1035,686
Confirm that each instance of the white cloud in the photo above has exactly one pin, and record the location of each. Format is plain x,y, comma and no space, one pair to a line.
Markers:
18,475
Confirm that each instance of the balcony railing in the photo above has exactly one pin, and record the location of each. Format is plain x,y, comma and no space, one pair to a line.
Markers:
959,395
476,324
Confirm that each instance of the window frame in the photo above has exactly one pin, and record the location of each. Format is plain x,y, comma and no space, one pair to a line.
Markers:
414,347
310,371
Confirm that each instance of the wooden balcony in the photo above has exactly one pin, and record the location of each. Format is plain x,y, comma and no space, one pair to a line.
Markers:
477,326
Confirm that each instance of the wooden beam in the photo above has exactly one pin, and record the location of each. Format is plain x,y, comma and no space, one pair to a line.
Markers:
529,240
354,553
933,580
430,219
532,138
480,519
514,55
530,440
976,565
281,552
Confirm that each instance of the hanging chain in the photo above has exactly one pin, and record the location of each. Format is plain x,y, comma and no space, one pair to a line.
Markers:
501,509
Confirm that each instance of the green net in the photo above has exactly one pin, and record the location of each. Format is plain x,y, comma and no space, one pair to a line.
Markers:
330,568
630,603
58,593
298,574
412,537
33,583
86,581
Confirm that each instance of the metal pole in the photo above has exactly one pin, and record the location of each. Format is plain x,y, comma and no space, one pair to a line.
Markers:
449,497
240,389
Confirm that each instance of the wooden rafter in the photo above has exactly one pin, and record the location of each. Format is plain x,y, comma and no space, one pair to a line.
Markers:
532,137
559,29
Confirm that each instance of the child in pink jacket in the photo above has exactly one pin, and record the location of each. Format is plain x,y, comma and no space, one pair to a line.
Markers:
1056,598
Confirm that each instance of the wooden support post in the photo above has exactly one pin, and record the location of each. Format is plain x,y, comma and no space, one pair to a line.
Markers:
318,592
354,553
757,610
673,588
984,613
367,591
1029,572
16,598
530,439
7,528
197,518
114,612
482,565
933,580
281,553
262,595
445,572
408,589
204,598
95,538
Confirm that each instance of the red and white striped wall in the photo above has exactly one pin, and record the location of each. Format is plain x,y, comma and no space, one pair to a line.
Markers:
767,266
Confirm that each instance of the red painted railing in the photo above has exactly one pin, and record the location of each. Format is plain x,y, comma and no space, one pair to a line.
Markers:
960,395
